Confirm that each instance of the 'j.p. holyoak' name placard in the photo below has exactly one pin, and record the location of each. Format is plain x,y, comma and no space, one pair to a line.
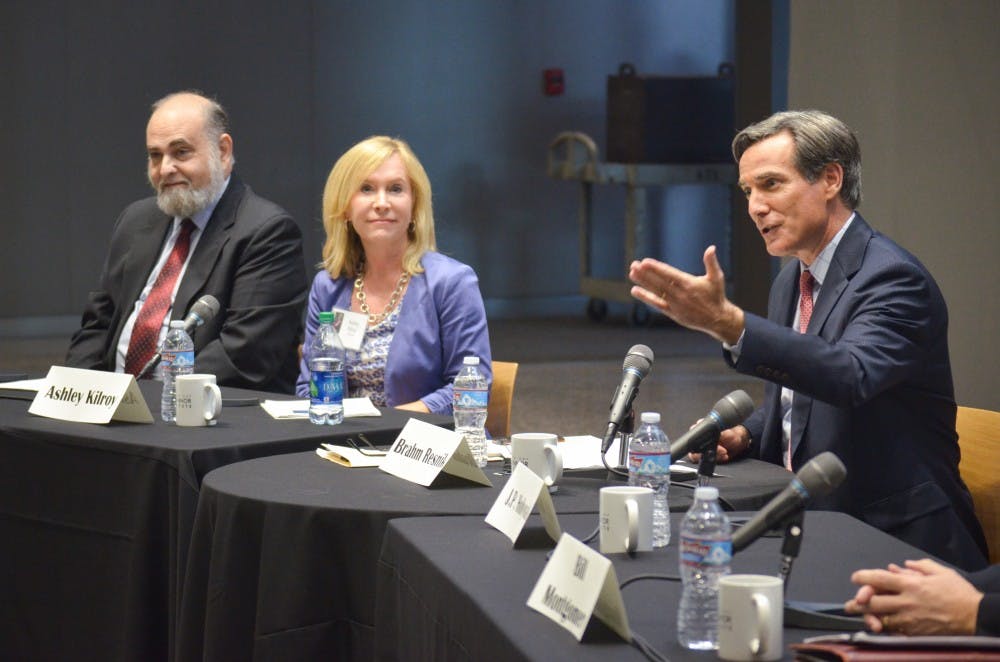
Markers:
523,492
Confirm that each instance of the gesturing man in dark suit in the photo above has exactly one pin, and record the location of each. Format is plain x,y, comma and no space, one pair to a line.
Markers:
854,347
204,232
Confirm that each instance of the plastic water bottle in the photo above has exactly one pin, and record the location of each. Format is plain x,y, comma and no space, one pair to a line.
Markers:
326,374
176,358
649,466
470,400
705,555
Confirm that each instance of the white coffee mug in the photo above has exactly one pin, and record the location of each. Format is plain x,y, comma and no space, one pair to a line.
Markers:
199,401
626,518
751,616
540,451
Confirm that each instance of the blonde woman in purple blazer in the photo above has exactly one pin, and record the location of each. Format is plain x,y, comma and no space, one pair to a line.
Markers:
425,311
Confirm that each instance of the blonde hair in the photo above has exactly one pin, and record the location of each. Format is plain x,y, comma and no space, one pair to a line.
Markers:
343,253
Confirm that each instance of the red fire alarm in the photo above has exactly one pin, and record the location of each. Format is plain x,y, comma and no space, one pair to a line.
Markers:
552,80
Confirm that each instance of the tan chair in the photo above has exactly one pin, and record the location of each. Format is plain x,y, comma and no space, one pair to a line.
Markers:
979,439
501,397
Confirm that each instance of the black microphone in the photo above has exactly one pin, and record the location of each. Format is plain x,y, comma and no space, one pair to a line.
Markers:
200,312
638,363
819,477
727,412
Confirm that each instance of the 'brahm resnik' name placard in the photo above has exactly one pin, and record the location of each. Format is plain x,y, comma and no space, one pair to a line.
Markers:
422,452
90,396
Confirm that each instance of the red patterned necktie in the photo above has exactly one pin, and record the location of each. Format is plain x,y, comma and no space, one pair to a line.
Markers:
805,312
806,301
146,331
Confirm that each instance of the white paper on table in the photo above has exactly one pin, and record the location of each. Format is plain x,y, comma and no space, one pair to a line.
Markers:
299,409
358,408
24,384
584,452
497,452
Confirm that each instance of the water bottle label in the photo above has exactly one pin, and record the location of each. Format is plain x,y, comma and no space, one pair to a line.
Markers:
650,464
471,399
695,552
166,358
183,359
326,388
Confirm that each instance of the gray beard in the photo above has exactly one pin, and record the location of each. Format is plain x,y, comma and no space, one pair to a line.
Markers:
186,202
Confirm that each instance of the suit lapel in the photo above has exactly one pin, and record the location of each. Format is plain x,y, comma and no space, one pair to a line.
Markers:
209,248
845,263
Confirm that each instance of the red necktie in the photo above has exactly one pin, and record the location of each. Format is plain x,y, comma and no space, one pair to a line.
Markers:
805,312
806,301
146,331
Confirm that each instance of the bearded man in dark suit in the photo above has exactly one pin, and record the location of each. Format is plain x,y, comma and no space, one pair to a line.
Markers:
238,247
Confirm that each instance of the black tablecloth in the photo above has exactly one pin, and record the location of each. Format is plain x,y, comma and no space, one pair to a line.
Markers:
283,555
452,588
95,520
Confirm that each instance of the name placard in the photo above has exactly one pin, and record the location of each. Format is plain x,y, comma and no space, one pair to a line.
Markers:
90,396
524,490
350,327
422,452
576,584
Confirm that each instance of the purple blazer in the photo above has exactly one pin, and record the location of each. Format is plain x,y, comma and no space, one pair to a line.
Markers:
441,321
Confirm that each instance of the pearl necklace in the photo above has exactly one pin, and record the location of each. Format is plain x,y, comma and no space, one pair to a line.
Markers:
374,319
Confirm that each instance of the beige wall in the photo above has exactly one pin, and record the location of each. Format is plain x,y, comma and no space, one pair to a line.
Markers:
919,81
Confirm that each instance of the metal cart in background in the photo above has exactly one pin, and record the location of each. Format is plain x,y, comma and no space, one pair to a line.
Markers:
573,156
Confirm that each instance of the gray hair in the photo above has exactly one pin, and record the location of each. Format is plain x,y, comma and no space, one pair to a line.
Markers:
820,139
216,118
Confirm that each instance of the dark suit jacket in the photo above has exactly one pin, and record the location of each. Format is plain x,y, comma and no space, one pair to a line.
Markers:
249,258
988,581
872,382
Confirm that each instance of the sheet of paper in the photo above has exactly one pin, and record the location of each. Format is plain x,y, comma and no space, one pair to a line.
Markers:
497,452
584,452
24,384
299,409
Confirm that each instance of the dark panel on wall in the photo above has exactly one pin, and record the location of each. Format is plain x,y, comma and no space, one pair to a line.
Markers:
751,272
79,79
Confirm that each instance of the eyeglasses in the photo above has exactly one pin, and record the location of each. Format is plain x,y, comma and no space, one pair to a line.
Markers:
368,450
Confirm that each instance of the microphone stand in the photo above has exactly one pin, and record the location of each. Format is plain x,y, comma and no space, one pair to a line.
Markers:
809,615
146,369
790,546
706,466
625,435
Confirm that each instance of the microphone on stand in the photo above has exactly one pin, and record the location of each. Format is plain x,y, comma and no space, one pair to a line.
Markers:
727,412
201,311
820,476
638,363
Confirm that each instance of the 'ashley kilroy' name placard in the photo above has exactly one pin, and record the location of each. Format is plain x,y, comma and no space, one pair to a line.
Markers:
90,396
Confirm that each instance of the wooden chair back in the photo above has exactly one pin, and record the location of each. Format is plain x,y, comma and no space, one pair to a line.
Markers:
501,398
979,439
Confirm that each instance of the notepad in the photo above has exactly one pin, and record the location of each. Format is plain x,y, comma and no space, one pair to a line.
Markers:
349,457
